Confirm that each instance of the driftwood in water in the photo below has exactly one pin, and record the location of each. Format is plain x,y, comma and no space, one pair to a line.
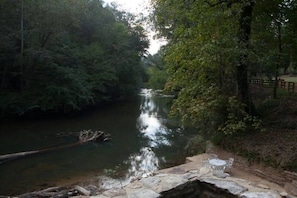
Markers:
89,135
15,155
84,136
82,190
60,192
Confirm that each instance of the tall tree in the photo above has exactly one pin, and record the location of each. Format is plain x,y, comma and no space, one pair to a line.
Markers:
272,36
207,58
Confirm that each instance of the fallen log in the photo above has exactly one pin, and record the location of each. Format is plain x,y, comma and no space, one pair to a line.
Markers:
16,155
84,137
12,156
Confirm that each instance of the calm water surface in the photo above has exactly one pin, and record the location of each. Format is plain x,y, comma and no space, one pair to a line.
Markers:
143,140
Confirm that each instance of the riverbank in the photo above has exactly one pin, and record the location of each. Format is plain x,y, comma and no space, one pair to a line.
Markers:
187,180
276,145
259,171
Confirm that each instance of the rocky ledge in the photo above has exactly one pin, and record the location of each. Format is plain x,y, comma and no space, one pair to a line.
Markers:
192,179
195,180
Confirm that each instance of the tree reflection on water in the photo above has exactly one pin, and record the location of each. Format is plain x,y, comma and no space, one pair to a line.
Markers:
151,125
149,122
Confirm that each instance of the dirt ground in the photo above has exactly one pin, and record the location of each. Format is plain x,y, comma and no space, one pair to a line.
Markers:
276,148
271,154
277,145
260,174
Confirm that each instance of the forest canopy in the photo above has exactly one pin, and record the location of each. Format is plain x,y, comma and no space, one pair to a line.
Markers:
62,55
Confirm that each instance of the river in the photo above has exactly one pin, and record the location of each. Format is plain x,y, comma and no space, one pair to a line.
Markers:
144,139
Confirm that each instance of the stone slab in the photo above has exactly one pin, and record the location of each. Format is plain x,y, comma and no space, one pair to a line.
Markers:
291,189
143,193
230,186
259,195
151,182
116,192
172,181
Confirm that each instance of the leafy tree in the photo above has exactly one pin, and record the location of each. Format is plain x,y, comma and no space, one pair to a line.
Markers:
273,43
214,47
207,57
66,55
157,71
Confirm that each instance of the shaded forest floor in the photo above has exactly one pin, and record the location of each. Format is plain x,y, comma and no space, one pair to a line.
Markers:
276,146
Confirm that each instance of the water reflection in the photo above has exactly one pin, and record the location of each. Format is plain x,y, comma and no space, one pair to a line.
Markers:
142,137
150,123
143,163
152,126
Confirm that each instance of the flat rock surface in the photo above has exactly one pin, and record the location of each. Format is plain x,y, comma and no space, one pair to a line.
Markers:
192,179
238,182
259,195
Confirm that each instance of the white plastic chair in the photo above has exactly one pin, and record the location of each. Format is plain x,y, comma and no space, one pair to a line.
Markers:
229,164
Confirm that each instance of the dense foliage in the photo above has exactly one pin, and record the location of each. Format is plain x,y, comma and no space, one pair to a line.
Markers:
156,70
214,47
62,55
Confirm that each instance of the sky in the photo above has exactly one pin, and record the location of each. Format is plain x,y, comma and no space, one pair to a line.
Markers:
136,7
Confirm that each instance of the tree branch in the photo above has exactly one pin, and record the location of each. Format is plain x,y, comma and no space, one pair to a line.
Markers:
217,3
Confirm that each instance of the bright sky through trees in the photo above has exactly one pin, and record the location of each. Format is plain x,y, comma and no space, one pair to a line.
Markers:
137,7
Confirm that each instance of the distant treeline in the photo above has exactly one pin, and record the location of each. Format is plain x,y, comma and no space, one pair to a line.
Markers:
60,56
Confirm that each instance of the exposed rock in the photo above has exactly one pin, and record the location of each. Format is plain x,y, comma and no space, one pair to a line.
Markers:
134,185
190,175
262,186
259,195
291,176
172,181
114,192
204,171
230,186
151,182
107,183
82,190
179,182
147,193
177,171
284,195
290,188
294,182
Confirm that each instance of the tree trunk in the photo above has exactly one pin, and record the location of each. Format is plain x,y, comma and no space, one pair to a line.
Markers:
279,59
242,67
84,136
22,49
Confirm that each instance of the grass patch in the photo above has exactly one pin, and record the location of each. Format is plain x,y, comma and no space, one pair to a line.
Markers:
289,78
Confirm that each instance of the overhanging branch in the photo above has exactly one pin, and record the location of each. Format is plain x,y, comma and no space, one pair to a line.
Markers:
220,2
217,3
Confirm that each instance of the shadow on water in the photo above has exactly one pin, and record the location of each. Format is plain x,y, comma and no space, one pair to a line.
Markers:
143,140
